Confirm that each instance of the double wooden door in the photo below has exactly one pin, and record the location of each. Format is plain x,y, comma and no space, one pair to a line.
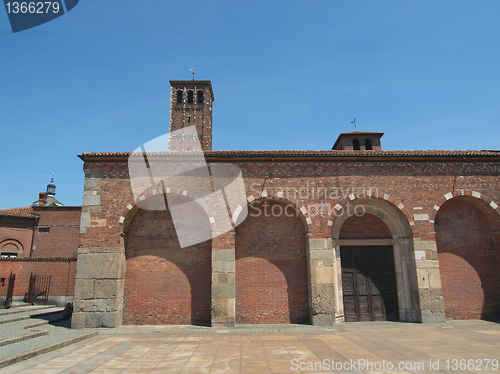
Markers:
369,283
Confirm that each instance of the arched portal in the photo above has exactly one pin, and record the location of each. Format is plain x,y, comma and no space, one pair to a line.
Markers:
372,240
164,283
368,273
271,265
467,242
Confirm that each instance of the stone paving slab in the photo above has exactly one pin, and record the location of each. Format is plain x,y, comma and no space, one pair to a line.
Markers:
357,347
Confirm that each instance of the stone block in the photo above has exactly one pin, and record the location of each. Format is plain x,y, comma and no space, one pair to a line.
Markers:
432,305
107,250
223,309
99,305
434,278
78,320
219,278
223,291
108,289
109,319
100,266
429,317
431,294
91,200
84,222
229,267
322,320
426,264
98,222
84,289
425,245
324,275
223,255
320,244
90,183
320,254
423,278
323,300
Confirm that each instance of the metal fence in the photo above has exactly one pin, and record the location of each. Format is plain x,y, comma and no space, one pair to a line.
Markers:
38,292
7,290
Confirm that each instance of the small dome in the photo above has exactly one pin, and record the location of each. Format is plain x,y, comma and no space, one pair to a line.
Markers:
51,187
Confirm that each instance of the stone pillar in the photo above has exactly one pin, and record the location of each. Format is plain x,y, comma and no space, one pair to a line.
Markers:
223,275
429,281
98,301
321,281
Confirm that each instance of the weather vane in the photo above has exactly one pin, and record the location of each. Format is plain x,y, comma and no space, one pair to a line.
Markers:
192,71
354,121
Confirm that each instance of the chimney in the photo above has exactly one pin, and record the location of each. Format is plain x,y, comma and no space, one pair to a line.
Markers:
42,198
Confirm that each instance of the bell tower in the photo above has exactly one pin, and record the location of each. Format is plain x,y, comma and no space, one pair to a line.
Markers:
191,105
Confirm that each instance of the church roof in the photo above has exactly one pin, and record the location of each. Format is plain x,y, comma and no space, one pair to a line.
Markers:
24,212
299,154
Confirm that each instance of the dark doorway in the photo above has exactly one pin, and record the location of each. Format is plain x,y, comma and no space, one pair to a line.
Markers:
369,283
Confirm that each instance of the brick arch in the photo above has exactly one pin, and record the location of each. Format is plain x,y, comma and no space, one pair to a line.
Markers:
457,193
271,265
129,212
274,194
164,283
11,245
11,242
382,203
396,217
467,229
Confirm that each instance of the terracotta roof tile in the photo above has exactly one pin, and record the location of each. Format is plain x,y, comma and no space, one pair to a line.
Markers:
26,212
296,153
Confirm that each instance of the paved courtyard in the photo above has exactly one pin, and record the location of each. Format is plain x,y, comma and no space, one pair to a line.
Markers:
368,347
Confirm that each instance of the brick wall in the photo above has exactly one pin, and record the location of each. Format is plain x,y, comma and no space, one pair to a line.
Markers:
271,266
165,284
415,187
366,226
58,231
468,259
62,282
17,232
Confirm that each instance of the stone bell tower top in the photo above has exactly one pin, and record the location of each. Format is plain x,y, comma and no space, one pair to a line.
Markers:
191,105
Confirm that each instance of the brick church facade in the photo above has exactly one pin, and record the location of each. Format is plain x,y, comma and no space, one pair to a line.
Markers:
355,233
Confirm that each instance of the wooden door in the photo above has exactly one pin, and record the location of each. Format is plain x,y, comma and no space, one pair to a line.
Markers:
369,283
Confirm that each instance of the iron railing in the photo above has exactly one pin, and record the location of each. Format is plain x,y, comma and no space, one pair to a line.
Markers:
38,292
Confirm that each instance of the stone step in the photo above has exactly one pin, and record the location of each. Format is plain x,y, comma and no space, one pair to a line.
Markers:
21,338
31,313
24,308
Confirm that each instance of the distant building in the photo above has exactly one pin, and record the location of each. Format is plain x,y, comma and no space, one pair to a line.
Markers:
41,239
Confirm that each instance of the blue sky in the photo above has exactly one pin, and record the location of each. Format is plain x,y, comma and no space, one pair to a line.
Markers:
285,74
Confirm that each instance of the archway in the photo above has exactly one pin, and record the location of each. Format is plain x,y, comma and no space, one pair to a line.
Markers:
164,283
377,224
368,272
467,241
271,265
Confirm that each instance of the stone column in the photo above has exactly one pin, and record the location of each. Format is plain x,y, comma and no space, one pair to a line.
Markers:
223,275
98,301
321,281
429,281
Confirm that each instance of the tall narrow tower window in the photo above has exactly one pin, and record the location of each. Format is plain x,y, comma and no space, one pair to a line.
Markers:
368,145
190,97
179,97
199,97
355,144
